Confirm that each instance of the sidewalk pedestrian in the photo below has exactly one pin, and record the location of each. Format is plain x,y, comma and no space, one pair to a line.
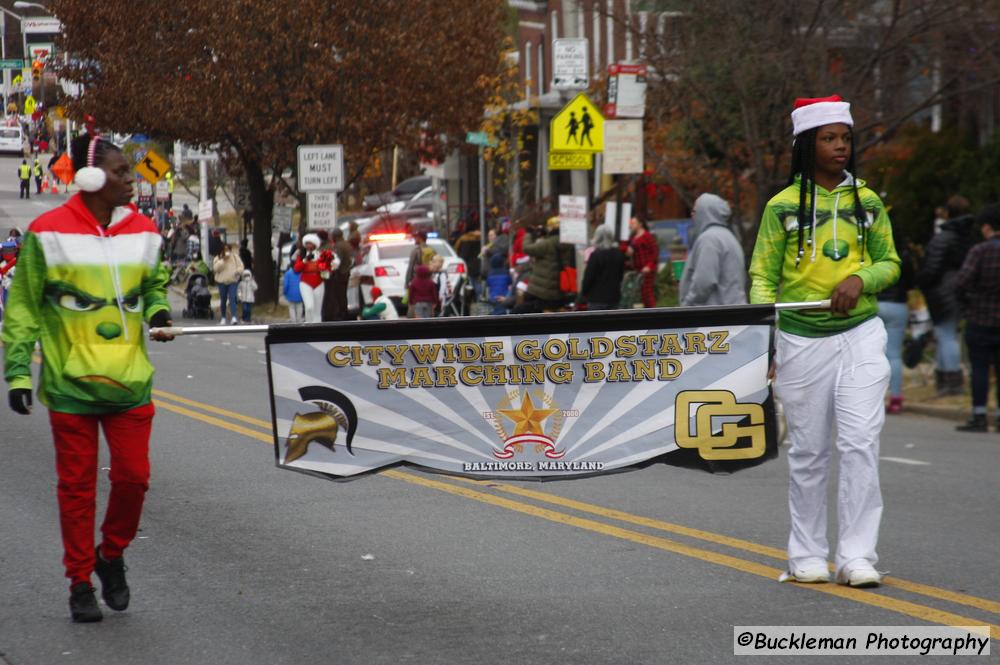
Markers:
894,310
828,236
543,292
978,284
382,307
498,284
936,278
246,291
602,276
714,273
290,289
644,252
423,293
227,269
335,298
85,299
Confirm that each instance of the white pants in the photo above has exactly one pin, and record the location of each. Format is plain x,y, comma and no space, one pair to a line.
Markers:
824,382
312,302
295,312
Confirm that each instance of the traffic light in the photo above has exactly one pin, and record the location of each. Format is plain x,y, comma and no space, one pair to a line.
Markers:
36,70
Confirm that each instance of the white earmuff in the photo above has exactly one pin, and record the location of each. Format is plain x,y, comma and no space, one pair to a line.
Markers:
91,178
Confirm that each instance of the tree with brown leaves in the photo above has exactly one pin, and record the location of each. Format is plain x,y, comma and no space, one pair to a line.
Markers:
258,78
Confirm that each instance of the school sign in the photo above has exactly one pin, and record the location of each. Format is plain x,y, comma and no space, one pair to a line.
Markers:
543,396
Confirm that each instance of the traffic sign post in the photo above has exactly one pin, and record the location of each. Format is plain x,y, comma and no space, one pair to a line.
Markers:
320,168
321,210
569,64
281,219
571,161
626,91
12,64
573,219
623,147
578,127
152,167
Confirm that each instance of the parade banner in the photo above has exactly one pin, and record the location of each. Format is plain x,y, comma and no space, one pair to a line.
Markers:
543,396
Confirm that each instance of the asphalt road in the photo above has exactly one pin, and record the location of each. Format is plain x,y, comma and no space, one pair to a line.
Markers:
240,562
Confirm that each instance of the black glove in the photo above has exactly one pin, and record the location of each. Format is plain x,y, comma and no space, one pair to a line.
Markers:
20,400
160,320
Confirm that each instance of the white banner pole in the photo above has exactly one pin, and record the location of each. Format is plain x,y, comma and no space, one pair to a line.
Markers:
815,304
176,331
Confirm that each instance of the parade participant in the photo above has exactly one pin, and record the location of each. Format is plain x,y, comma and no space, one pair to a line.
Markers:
88,274
714,273
827,236
643,250
310,263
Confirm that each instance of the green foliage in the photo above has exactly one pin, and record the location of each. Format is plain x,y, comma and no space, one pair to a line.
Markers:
926,168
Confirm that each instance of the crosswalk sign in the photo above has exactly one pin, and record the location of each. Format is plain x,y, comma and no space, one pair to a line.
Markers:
578,127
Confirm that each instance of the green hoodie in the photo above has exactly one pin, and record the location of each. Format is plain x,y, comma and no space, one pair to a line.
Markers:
831,255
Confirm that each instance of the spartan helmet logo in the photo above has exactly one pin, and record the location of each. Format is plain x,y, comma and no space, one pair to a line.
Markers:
336,412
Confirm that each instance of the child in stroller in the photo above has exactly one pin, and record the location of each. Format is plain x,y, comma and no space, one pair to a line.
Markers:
199,298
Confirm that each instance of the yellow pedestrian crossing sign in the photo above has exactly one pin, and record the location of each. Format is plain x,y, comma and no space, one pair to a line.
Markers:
578,127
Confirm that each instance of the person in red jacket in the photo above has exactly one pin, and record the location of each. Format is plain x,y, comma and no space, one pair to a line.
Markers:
645,254
314,267
423,293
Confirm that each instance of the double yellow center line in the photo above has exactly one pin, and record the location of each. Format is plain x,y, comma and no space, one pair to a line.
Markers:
573,513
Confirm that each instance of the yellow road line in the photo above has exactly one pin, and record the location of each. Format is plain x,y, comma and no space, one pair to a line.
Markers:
218,422
914,610
266,424
737,543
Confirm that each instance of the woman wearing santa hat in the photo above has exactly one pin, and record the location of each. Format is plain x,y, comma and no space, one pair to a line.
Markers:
828,236
314,268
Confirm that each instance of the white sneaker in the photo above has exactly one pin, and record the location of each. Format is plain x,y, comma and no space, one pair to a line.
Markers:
222,321
817,574
860,577
234,321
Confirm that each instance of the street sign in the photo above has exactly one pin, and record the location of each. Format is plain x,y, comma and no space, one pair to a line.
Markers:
569,64
320,168
241,195
11,64
205,210
40,24
578,127
41,52
162,191
281,219
571,161
321,210
29,105
152,167
626,91
480,139
622,147
573,219
145,189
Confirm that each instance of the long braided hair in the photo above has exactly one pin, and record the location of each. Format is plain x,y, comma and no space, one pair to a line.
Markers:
804,165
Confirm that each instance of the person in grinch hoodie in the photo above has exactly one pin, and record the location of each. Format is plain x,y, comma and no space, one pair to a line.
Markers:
827,236
88,275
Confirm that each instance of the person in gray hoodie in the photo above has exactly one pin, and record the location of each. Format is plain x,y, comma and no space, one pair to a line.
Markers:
715,273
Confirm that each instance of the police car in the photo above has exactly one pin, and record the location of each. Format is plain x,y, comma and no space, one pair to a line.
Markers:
383,263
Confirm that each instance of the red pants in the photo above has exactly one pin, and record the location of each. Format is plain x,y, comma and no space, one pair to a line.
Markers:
76,443
648,291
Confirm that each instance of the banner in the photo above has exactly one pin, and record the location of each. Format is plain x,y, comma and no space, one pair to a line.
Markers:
529,397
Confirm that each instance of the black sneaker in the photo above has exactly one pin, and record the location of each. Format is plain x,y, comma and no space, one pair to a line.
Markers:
83,605
114,588
977,423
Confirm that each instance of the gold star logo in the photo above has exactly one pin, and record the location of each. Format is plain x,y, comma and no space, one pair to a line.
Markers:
527,419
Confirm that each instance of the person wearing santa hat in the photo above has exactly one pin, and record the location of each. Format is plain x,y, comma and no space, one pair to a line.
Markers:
313,267
382,307
824,236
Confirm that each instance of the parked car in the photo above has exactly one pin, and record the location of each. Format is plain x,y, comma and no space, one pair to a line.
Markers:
11,140
383,264
404,191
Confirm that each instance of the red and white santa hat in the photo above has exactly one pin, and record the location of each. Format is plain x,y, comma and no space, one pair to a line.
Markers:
811,112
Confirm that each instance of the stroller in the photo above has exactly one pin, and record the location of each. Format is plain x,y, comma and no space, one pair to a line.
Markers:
199,298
